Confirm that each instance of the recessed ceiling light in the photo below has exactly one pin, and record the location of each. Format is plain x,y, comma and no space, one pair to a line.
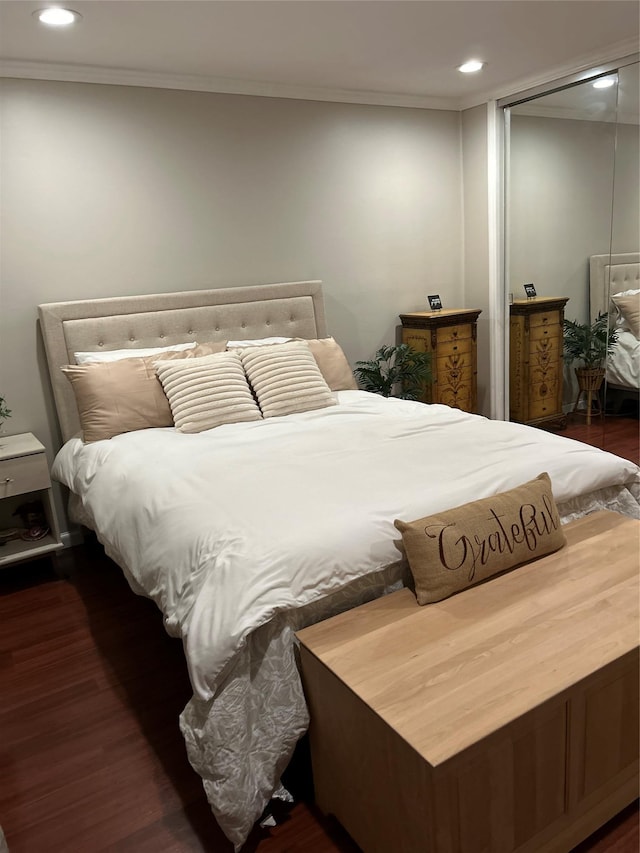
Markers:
56,16
604,83
471,66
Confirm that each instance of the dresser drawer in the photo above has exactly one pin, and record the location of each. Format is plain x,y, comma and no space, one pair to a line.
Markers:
455,366
453,333
543,372
544,391
457,347
459,396
545,351
23,474
544,318
541,333
541,405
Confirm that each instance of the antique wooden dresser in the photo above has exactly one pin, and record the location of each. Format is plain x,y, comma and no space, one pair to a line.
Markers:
535,361
450,336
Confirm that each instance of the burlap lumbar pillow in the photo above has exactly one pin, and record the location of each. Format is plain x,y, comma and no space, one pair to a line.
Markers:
452,550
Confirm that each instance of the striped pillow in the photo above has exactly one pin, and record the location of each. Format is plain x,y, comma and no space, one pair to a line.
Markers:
206,392
286,379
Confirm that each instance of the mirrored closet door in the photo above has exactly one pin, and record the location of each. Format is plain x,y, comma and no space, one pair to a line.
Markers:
561,164
622,274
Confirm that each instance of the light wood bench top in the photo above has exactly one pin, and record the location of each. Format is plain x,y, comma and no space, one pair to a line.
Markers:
445,675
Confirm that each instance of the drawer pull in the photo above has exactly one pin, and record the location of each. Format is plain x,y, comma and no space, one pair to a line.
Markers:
9,480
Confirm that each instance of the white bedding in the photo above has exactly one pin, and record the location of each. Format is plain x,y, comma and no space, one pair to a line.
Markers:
280,522
623,363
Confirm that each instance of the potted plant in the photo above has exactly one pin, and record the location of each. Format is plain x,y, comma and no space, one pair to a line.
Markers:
396,371
589,344
4,411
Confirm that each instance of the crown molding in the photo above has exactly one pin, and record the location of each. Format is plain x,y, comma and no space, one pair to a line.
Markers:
586,63
220,85
532,109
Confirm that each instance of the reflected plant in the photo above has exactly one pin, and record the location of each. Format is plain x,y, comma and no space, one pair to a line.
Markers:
589,343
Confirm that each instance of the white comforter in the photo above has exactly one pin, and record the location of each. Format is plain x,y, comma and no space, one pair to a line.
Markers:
227,528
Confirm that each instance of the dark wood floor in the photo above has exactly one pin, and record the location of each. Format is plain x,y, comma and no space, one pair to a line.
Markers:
617,434
91,758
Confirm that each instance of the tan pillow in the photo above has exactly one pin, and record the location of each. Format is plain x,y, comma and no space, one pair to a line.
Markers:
286,379
206,392
453,550
333,364
629,308
125,395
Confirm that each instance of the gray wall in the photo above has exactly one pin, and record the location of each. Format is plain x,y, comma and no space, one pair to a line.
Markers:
110,190
626,201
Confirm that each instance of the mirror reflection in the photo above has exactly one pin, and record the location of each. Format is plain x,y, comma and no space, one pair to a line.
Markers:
621,272
560,190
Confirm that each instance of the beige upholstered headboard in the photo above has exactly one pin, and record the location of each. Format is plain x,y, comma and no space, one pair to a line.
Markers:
611,274
292,309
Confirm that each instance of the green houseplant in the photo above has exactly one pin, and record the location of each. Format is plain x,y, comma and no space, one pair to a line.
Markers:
5,412
396,371
589,344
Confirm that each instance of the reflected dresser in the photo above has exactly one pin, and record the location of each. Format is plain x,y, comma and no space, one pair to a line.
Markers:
535,361
450,336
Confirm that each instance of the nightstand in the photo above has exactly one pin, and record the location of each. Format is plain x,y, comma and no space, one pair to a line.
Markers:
535,361
450,336
24,478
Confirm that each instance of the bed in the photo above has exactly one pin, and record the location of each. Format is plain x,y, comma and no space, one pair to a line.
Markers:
246,532
614,286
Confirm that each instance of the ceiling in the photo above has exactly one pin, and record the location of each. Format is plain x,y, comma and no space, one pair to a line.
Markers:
362,51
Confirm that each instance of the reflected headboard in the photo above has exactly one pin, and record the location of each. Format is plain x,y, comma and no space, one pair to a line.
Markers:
291,309
620,272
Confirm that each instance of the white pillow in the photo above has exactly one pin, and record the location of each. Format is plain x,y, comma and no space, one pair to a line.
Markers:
206,392
257,342
627,304
286,379
117,354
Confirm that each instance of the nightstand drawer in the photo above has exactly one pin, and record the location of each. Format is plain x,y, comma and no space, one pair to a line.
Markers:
23,474
453,333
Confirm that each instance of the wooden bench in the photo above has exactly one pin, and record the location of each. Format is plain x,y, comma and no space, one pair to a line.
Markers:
504,718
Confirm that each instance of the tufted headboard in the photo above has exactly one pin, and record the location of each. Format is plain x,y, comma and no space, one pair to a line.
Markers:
611,274
292,309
